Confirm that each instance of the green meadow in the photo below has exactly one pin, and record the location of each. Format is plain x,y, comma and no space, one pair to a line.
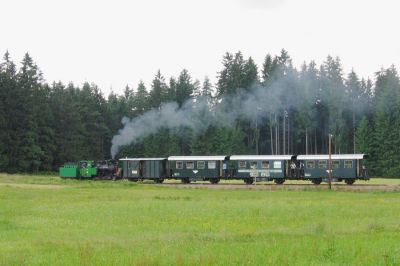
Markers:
45,220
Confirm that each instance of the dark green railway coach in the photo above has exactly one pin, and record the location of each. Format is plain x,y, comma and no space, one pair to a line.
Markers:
197,168
136,169
252,168
345,167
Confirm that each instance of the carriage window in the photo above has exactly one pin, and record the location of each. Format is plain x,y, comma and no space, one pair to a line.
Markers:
277,164
335,164
265,164
348,164
129,165
310,164
201,165
189,165
242,164
211,164
253,165
179,165
322,164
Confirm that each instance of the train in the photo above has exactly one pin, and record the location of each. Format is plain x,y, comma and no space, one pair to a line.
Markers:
250,168
89,169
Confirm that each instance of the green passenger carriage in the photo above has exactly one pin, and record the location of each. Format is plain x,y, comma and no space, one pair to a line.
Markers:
197,168
136,169
252,168
345,167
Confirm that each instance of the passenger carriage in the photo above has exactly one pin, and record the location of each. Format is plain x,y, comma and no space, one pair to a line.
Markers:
136,169
252,168
345,167
197,168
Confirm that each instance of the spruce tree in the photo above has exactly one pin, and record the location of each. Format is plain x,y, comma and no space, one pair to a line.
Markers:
28,152
184,87
158,91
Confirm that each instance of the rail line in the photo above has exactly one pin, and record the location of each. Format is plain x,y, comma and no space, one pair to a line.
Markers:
336,187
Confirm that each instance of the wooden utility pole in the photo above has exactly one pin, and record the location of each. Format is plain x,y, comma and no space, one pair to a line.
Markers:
271,133
284,132
257,152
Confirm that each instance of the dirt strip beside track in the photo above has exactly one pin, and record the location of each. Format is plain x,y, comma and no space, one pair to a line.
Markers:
337,187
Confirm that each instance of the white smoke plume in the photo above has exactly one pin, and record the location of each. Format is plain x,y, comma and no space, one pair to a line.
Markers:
198,115
258,103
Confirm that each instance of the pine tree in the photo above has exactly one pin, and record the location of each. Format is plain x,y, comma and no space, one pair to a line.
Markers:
232,76
127,102
69,124
28,152
206,90
141,104
92,108
45,124
170,95
184,87
387,124
335,97
354,105
158,91
7,134
250,74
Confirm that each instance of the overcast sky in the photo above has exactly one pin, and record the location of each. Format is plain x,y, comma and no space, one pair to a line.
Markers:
114,43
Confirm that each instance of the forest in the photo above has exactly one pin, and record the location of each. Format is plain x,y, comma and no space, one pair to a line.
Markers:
270,109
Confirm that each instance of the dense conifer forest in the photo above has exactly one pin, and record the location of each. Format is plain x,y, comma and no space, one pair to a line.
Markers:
269,109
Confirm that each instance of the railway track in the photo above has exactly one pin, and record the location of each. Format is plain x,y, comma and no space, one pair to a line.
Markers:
336,187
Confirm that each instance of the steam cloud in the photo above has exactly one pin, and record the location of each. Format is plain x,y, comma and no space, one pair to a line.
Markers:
199,115
257,103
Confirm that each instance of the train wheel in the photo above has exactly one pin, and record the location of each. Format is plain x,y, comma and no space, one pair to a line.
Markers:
249,181
133,179
214,181
159,180
316,181
186,181
279,181
350,181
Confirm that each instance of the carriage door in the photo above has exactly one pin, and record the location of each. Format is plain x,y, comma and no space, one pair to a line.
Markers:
163,168
142,169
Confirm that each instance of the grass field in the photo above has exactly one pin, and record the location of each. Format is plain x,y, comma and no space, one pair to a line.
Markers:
45,220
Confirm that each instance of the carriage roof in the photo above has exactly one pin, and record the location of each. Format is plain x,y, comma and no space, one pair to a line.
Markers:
261,157
142,159
333,157
197,158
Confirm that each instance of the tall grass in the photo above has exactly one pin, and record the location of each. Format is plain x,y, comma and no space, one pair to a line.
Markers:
122,223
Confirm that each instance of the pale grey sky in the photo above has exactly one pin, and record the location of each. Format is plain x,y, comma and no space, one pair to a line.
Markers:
114,43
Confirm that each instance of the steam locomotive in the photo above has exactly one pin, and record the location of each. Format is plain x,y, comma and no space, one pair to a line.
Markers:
249,168
107,169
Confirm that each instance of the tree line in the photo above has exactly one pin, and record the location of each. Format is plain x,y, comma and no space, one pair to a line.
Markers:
43,125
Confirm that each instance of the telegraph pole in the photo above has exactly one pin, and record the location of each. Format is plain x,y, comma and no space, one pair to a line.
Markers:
257,134
284,132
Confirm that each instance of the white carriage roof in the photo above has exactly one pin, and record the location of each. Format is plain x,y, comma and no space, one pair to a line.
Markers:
197,158
142,159
260,157
334,157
